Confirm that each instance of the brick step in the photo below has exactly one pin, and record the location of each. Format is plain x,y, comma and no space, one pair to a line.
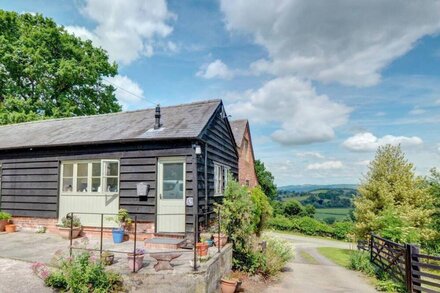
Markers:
164,243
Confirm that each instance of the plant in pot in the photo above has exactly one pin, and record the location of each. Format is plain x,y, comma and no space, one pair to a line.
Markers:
4,219
228,284
202,247
70,222
107,258
136,260
10,227
123,220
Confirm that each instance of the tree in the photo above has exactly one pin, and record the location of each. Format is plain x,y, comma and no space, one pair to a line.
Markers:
393,201
292,208
266,180
434,189
47,72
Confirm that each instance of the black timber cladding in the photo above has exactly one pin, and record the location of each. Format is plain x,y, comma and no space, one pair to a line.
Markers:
220,149
30,179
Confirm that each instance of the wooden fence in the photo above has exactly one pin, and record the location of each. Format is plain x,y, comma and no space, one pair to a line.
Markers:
419,272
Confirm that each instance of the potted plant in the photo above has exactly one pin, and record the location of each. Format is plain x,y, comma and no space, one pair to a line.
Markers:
107,258
67,223
123,220
10,228
136,260
220,242
4,219
202,247
228,285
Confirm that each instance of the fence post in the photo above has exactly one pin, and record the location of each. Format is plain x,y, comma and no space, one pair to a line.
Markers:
371,246
219,231
196,224
413,267
101,232
134,244
71,234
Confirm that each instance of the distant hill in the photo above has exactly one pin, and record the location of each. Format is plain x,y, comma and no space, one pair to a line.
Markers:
311,187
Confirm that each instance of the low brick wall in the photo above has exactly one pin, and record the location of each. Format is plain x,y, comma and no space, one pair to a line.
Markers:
205,280
31,224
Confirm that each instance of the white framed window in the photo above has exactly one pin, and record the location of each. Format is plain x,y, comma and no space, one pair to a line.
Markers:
220,179
90,177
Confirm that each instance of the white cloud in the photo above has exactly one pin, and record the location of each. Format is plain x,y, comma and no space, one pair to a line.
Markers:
344,41
126,31
326,165
310,154
417,111
437,102
363,163
128,92
365,142
215,69
380,114
293,106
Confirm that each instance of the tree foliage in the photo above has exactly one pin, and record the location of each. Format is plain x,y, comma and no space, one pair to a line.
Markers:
393,201
47,72
266,180
262,209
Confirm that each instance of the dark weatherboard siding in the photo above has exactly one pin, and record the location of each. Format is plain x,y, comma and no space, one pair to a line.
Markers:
221,149
30,181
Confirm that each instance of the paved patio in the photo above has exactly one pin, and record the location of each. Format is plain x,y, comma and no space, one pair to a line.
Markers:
34,247
19,250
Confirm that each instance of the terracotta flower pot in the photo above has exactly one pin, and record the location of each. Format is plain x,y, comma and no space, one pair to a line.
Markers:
108,258
3,224
228,286
65,232
138,263
202,248
10,228
223,240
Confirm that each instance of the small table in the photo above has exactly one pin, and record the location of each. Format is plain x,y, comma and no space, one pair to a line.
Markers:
164,260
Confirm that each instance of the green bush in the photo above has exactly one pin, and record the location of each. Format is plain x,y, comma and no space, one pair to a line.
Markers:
313,227
360,261
341,230
66,222
278,253
81,273
262,209
5,216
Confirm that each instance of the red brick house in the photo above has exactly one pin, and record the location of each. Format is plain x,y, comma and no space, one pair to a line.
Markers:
246,161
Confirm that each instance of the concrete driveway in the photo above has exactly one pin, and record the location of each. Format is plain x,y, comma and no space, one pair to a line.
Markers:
316,273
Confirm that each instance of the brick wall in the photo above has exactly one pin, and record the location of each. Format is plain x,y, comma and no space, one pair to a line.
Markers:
246,164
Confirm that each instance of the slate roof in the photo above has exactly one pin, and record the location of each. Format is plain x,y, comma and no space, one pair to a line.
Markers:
238,129
181,121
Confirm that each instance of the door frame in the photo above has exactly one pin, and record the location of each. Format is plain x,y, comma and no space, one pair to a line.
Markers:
160,162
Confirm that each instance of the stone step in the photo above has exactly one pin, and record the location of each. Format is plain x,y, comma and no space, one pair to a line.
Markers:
164,243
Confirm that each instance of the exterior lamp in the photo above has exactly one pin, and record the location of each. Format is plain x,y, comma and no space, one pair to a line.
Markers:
198,149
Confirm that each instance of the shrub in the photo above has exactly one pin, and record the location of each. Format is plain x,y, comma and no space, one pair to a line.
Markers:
360,261
81,273
278,253
262,209
330,220
5,216
313,227
341,230
66,222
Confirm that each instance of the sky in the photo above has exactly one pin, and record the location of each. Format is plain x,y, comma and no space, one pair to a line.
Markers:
323,83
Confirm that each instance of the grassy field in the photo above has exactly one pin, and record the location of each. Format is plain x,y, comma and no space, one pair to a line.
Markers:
338,213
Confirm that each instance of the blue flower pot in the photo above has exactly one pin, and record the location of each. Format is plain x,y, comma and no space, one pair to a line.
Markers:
118,235
210,243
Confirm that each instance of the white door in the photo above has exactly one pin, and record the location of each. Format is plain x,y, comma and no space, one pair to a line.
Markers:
171,195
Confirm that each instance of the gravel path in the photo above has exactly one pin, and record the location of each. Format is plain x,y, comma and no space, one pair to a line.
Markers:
316,273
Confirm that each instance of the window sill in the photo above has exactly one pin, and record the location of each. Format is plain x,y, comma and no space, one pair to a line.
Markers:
89,193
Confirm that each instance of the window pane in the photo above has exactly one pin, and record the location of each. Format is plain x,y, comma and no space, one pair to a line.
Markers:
96,185
173,181
67,185
111,184
68,170
111,168
83,169
81,185
96,169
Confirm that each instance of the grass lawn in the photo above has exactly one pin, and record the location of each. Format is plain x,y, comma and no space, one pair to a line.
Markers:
308,257
337,255
338,213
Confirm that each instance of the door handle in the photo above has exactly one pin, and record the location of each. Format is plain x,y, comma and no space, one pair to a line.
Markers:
160,195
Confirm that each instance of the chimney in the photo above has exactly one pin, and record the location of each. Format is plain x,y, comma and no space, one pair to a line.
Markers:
157,124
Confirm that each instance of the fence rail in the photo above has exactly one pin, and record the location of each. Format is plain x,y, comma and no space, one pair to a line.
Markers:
195,233
419,272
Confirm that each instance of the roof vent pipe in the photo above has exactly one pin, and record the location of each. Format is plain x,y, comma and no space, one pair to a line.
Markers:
157,124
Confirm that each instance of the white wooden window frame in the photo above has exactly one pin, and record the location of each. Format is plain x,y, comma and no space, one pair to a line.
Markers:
89,177
220,178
